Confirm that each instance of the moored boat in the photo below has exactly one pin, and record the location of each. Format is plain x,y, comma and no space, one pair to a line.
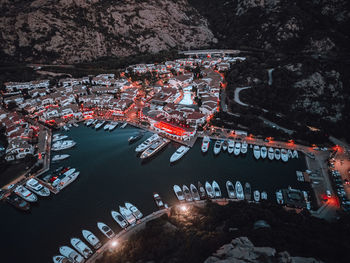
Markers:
134,210
209,189
279,197
224,145
135,138
263,195
263,152
230,190
256,151
127,214
202,192
295,154
256,196
239,191
244,147
231,146
119,219
284,155
237,149
58,137
81,247
18,202
60,157
194,192
91,239
38,188
147,143
187,193
63,145
205,144
66,180
61,259
277,154
290,153
178,192
112,125
156,146
271,153
216,189
106,127
159,202
247,191
123,125
181,151
24,193
99,125
106,230
217,146
71,254
89,122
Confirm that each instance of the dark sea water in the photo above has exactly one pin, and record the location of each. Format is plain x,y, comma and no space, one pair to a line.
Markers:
111,173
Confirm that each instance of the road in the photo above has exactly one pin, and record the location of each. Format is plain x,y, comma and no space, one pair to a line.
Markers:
276,126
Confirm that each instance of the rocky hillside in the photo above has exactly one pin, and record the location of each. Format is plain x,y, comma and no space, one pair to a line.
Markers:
69,31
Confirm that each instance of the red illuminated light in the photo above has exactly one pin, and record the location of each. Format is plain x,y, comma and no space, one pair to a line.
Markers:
170,128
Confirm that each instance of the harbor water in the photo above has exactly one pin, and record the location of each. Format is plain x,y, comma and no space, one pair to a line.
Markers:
112,173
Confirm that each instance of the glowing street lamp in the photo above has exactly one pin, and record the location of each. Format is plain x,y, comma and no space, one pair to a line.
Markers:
183,208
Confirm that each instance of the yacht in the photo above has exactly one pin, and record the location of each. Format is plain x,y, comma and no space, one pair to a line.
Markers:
99,125
127,214
230,190
66,180
217,146
187,193
181,151
271,153
63,145
106,230
290,153
295,154
224,145
91,239
279,197
134,210
239,191
209,189
119,219
60,157
81,247
60,259
256,150
147,143
24,193
205,144
178,192
256,196
93,124
89,122
71,254
158,200
106,127
263,195
37,187
58,137
202,192
18,202
112,125
155,147
244,147
135,138
263,152
231,146
247,191
217,190
194,192
284,155
123,125
237,149
277,154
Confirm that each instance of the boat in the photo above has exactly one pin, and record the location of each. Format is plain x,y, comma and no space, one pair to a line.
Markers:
230,190
295,154
290,153
66,180
256,196
209,189
58,137
134,210
239,191
279,197
231,146
216,189
256,151
158,200
119,219
277,154
244,147
271,153
76,125
99,125
91,239
284,155
69,125
263,195
65,128
123,125
156,146
147,143
18,202
113,125
202,192
60,259
63,145
127,214
60,157
187,193
224,145
71,254
194,193
135,138
217,146
106,127
178,192
24,193
93,124
263,152
81,247
247,191
181,151
89,122
106,230
237,149
38,188
205,144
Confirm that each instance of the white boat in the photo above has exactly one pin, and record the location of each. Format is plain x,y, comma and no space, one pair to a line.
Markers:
67,180
94,122
205,144
202,192
290,153
134,210
209,189
60,157
271,153
181,151
239,191
156,146
89,122
194,192
147,143
124,125
106,230
106,127
76,125
244,147
263,195
91,239
136,137
277,154
127,214
81,247
279,197
247,191
69,125
256,151
231,146
99,125
65,128
58,137
256,196
113,125
263,152
71,254
159,202
119,219
187,193
295,154
178,192
216,189
217,146
60,259
230,190
284,155
24,193
224,145
63,145
237,149
37,187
